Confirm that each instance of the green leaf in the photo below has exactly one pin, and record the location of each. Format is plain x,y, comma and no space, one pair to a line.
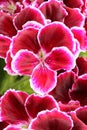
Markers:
83,54
14,82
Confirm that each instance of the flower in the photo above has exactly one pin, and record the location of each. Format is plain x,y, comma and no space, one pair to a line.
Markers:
43,56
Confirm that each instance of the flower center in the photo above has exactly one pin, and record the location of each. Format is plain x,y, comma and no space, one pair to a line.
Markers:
8,7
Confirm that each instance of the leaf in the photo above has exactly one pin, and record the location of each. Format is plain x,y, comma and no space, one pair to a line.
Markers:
14,82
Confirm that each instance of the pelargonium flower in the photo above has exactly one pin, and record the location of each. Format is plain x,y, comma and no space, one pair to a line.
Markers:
40,56
29,105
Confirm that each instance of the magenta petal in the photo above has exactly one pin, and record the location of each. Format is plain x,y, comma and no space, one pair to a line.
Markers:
4,45
29,14
56,35
53,10
60,58
6,25
24,62
80,35
12,127
25,39
51,120
8,67
35,103
43,79
12,107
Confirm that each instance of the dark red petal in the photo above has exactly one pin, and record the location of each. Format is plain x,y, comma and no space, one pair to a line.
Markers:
64,83
35,103
4,45
82,65
12,107
56,34
24,62
73,3
79,90
43,79
28,14
53,10
51,120
3,124
74,18
6,25
81,113
25,39
60,58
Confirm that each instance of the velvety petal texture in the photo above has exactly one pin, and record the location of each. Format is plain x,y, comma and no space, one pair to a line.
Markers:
25,39
8,66
82,65
6,25
74,17
60,58
24,62
12,107
43,79
80,35
64,83
56,34
73,4
4,45
53,10
79,90
51,120
29,14
35,103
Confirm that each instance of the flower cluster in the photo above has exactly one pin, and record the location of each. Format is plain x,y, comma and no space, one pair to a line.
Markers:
43,40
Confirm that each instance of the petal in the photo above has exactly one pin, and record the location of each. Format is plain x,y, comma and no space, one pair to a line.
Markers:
24,62
73,3
8,67
12,107
60,58
6,25
81,113
74,18
51,120
12,127
65,81
80,35
78,124
28,14
79,90
4,45
53,10
43,79
25,39
70,106
82,65
56,35
35,103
